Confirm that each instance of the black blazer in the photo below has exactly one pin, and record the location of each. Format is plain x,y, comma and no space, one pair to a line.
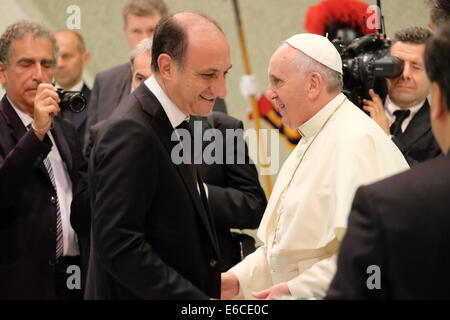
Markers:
402,225
417,142
27,206
235,196
151,238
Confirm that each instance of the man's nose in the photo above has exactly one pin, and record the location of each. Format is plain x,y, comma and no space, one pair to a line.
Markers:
219,87
37,73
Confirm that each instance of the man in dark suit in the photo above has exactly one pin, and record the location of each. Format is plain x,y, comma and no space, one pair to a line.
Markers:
397,242
113,85
152,234
235,196
72,59
405,114
40,161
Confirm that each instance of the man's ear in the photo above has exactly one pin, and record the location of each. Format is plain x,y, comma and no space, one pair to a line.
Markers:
166,66
316,83
437,106
86,58
2,73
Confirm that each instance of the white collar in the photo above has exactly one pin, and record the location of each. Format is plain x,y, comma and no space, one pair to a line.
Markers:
391,107
175,115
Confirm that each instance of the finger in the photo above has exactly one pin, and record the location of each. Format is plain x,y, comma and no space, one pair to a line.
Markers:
45,86
370,110
261,294
375,97
48,92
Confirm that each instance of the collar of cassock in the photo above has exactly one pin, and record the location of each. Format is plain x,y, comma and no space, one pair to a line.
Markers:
311,127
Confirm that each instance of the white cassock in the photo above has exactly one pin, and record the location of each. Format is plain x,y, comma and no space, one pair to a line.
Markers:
341,149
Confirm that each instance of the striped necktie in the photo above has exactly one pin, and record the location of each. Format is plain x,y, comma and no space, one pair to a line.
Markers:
59,231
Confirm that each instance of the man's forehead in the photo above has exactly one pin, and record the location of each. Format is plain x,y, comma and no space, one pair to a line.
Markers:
32,48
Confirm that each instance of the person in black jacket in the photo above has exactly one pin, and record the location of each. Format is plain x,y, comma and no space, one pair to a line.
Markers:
397,244
40,166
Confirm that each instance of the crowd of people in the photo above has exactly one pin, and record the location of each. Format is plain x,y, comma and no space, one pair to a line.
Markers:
365,189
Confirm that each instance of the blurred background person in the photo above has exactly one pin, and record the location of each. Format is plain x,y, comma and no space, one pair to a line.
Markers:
439,11
140,18
72,59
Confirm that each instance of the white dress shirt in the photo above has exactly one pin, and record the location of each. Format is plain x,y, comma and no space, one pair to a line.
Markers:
175,115
390,108
306,216
63,189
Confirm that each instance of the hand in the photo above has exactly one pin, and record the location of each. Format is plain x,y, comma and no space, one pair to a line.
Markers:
273,293
376,110
45,108
230,286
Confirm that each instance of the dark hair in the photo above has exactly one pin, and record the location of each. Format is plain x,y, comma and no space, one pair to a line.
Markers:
439,11
437,63
414,35
169,38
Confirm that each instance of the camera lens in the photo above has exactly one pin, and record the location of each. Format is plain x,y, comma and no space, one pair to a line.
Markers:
77,103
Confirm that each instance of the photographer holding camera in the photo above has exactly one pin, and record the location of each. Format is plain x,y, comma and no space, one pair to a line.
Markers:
405,113
40,161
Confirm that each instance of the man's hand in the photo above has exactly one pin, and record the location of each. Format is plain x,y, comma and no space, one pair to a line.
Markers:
45,108
376,110
230,286
274,292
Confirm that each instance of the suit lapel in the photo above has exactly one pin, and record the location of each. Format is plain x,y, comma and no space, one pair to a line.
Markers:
164,129
18,130
418,127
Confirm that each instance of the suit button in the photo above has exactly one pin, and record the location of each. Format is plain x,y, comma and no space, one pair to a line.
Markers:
213,263
53,199
51,262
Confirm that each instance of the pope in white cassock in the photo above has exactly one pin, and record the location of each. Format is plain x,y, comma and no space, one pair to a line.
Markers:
341,148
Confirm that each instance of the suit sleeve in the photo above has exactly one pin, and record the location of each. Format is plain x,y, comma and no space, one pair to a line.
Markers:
18,164
361,251
124,177
243,194
92,110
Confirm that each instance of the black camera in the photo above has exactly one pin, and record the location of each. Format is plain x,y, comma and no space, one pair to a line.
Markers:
366,64
73,101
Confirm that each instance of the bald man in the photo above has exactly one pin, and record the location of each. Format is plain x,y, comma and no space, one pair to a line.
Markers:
73,58
152,233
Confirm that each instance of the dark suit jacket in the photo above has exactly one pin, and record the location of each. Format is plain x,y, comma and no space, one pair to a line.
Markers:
151,238
27,205
110,88
402,225
78,120
235,196
417,142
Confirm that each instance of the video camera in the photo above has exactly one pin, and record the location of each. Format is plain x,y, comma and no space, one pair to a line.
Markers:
366,64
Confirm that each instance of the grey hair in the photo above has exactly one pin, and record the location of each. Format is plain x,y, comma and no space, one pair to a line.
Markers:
144,46
306,64
18,31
